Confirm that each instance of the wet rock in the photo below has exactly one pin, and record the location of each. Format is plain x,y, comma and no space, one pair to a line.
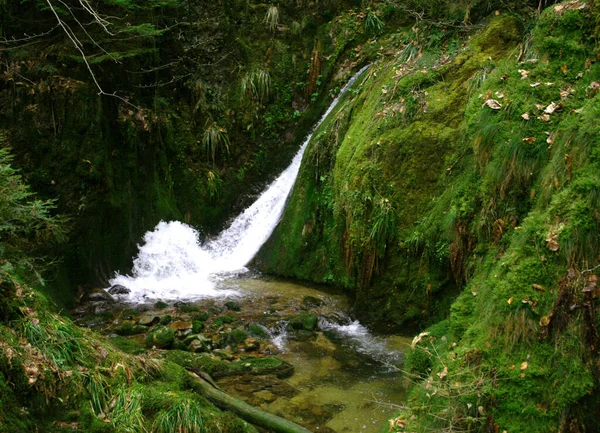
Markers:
251,345
258,331
237,336
117,289
180,325
312,302
79,311
148,319
160,305
97,295
128,328
327,365
197,326
325,344
161,338
199,345
304,321
266,396
233,306
224,354
182,329
165,320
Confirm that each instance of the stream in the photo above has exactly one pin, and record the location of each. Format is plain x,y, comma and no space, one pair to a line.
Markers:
199,298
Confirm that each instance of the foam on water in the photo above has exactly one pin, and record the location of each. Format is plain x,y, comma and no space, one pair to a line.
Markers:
172,264
359,337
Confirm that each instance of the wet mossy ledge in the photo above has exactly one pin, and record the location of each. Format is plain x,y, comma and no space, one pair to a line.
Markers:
457,187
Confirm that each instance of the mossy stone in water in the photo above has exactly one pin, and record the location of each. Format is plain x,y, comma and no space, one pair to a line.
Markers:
237,336
223,319
233,306
165,320
257,331
160,305
305,321
197,326
201,317
162,337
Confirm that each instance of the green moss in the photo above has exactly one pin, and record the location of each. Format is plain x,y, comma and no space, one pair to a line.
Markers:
305,321
237,336
162,337
127,345
223,319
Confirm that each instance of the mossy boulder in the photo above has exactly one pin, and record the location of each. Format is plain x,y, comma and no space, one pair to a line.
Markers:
162,337
304,321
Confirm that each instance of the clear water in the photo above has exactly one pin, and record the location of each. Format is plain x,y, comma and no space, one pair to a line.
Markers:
346,379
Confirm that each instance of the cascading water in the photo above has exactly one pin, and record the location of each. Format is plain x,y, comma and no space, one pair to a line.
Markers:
172,264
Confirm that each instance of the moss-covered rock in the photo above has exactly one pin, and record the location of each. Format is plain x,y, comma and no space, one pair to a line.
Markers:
161,337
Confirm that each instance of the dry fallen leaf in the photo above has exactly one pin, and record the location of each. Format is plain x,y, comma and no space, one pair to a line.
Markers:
493,104
500,95
535,84
524,73
544,117
564,69
510,300
538,287
525,116
524,366
552,108
529,140
544,321
444,373
552,244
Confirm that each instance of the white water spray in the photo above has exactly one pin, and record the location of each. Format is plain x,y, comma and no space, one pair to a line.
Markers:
173,265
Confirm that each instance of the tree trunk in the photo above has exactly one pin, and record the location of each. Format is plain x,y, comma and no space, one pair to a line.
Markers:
244,410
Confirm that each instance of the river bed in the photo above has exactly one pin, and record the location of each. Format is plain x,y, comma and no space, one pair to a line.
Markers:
345,380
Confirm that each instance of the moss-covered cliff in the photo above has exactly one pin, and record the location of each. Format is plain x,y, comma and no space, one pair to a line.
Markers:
464,171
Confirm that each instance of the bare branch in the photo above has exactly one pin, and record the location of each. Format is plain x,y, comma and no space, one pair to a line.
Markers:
27,37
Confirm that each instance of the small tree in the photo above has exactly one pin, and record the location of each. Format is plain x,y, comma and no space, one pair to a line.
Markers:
26,223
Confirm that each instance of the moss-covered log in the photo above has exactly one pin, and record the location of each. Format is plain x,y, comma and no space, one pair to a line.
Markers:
244,410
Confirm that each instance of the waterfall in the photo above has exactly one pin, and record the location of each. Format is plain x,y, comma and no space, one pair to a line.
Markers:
172,263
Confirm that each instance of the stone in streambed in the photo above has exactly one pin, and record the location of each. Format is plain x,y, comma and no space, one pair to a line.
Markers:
128,328
311,301
233,306
251,345
200,344
148,319
182,329
97,295
161,337
117,289
304,321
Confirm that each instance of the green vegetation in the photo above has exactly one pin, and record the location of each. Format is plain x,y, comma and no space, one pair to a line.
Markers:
457,188
453,192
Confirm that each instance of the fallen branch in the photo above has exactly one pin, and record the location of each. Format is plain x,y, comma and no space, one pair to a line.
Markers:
244,410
